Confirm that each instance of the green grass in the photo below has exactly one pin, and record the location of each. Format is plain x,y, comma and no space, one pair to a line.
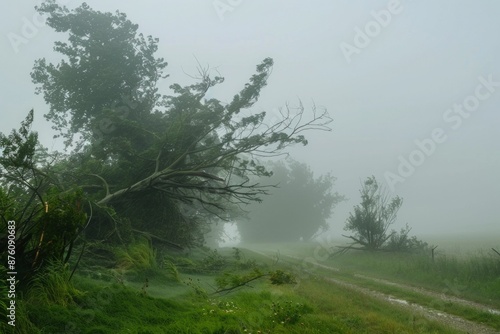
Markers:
139,256
410,296
313,307
475,277
52,286
145,294
96,304
357,313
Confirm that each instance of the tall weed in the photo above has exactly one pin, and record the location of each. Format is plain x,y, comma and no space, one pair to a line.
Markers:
138,256
52,286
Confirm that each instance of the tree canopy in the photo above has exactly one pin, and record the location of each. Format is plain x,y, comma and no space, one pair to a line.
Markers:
298,207
145,154
105,61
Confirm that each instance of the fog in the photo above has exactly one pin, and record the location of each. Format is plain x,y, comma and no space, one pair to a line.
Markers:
413,88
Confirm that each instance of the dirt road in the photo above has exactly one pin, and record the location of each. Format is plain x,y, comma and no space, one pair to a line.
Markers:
458,323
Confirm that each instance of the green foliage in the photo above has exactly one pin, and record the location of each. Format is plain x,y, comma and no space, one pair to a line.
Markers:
113,308
213,261
210,261
173,271
288,312
474,276
109,309
248,264
151,153
231,280
298,207
21,177
196,286
60,224
279,277
241,262
19,148
24,325
373,217
185,264
3,294
107,60
138,256
99,255
48,220
52,286
402,242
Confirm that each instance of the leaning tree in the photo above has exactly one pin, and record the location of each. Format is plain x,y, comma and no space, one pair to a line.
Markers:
167,163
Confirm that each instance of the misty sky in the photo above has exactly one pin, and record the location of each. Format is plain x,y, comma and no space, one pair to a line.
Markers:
413,88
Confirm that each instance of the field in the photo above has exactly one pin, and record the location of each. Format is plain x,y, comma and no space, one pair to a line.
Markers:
356,292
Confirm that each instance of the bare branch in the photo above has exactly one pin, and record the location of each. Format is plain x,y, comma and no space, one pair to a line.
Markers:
106,186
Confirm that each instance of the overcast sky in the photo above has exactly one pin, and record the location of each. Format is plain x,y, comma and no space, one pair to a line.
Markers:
413,88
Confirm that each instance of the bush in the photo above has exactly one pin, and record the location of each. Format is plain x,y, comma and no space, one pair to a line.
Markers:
402,242
279,277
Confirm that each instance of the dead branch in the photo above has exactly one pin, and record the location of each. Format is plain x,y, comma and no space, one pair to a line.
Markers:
152,236
227,290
